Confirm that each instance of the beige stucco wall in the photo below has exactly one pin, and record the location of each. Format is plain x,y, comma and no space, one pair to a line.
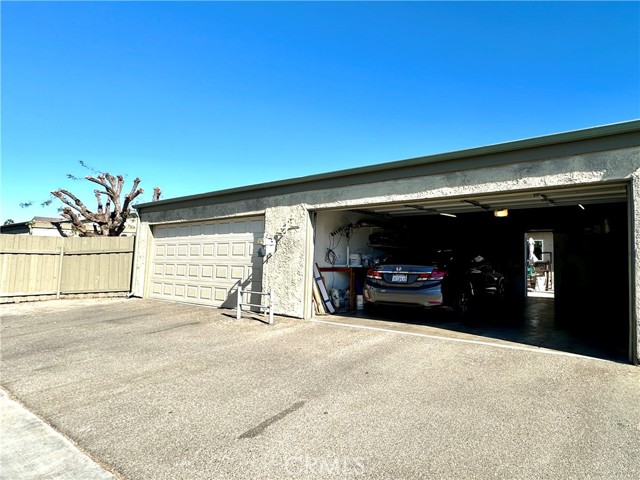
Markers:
285,271
634,264
141,252
562,171
288,271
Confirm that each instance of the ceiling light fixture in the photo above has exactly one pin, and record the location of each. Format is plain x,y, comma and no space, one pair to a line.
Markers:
501,213
581,206
448,215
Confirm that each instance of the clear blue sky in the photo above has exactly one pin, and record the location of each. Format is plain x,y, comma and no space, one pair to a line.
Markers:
196,97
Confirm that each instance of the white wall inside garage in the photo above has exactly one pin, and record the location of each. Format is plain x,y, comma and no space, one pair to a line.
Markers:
328,222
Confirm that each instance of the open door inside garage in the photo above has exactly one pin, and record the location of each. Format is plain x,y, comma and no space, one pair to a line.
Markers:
550,269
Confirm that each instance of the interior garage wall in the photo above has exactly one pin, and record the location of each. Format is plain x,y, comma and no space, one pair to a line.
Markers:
329,221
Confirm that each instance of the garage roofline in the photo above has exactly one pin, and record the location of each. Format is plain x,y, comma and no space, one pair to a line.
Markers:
600,138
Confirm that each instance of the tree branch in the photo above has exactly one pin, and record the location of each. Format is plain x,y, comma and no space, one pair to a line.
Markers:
102,182
99,200
74,202
132,195
120,185
58,226
81,227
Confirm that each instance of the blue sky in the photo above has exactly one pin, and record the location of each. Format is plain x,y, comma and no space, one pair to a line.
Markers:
203,96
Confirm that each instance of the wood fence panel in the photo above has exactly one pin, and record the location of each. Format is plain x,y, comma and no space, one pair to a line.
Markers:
31,265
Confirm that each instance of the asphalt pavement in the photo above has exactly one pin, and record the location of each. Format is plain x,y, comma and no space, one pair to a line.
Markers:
154,390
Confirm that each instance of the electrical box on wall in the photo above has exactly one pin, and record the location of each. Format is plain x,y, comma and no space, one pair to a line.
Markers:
267,246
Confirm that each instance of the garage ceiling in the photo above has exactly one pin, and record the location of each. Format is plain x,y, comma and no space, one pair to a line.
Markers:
539,198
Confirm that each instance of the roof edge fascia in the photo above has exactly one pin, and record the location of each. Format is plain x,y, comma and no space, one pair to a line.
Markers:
516,145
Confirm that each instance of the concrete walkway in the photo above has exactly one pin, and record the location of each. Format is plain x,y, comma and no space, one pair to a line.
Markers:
31,449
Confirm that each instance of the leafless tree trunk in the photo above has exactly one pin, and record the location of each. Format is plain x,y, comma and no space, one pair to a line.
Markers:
111,217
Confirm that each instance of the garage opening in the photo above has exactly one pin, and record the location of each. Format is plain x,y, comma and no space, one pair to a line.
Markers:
562,253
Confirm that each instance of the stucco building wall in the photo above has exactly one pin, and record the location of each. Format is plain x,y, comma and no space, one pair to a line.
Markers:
634,264
285,272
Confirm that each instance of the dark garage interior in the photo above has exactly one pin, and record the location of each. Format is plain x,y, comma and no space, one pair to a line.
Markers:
587,312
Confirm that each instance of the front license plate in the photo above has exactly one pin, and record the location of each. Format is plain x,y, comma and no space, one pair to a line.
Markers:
399,278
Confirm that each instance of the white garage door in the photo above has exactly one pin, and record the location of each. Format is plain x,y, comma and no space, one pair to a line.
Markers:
204,262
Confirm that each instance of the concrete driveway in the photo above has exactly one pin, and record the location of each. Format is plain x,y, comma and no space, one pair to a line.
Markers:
155,390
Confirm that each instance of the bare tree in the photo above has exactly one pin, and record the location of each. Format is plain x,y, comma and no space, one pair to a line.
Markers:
111,216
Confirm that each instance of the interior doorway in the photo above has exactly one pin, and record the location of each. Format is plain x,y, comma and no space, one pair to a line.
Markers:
539,264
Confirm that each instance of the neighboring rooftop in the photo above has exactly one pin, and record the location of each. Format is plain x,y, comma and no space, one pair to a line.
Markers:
49,226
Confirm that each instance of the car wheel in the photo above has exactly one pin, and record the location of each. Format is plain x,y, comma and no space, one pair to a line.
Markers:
501,290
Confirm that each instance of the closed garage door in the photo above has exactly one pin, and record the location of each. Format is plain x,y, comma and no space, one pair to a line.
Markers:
204,262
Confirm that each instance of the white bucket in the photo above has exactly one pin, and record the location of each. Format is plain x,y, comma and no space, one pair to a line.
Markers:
355,260
359,302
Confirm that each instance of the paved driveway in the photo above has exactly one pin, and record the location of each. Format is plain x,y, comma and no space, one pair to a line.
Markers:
156,390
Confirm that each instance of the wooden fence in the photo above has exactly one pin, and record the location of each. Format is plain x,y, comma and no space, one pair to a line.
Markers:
35,267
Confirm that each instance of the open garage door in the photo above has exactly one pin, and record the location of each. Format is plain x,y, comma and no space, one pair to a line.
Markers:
204,262
588,231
